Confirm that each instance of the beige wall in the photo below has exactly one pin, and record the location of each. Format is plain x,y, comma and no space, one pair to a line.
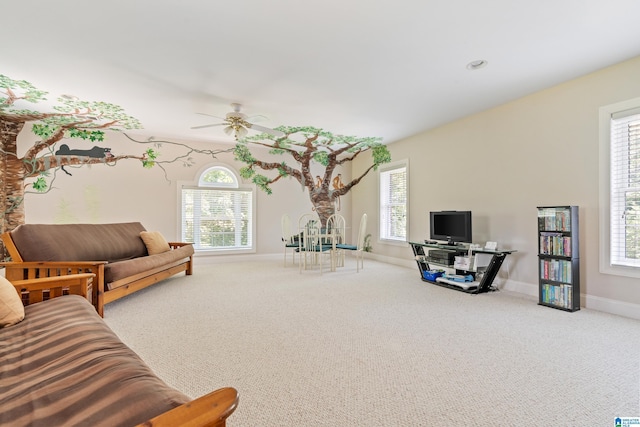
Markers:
502,163
128,192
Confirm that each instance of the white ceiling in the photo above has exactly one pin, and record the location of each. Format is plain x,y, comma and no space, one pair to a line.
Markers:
357,67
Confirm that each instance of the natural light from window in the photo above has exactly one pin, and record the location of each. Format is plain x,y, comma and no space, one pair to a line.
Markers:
217,215
393,179
620,188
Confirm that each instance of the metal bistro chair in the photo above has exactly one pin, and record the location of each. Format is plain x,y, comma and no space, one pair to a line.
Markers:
359,247
289,238
336,225
304,223
324,248
314,247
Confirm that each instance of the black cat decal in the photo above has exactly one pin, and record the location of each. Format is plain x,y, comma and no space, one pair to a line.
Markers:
95,152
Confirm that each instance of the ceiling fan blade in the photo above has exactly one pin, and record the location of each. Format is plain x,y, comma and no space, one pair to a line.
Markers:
257,118
236,123
208,126
273,132
211,115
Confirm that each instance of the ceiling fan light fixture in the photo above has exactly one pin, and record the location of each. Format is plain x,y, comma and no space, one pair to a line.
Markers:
235,115
241,132
477,64
235,124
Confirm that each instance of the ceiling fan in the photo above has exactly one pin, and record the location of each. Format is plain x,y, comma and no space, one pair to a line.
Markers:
237,124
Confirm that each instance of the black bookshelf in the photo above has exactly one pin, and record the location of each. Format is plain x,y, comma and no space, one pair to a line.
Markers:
559,257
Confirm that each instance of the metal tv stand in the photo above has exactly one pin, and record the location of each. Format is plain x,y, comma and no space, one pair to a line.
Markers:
489,274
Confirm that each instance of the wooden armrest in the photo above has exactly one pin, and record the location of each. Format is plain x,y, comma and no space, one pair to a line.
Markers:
58,264
178,244
31,290
39,269
25,270
48,282
210,410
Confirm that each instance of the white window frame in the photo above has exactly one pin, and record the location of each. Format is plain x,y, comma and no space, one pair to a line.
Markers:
608,263
235,186
383,228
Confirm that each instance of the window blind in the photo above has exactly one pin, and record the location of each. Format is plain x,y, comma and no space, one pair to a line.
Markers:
625,188
217,218
393,204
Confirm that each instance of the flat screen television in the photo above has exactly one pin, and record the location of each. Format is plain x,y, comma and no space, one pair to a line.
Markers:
450,226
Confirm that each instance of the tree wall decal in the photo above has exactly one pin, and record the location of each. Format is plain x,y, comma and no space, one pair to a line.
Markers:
69,118
307,146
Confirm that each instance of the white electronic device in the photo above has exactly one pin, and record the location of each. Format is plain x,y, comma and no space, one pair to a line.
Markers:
491,246
463,285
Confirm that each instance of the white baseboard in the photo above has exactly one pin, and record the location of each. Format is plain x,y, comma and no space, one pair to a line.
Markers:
611,306
527,289
409,263
591,302
218,258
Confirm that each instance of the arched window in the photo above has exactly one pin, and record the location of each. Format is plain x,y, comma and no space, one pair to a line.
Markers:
217,214
218,176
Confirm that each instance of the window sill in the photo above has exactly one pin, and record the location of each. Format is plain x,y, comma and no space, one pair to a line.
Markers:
618,270
214,252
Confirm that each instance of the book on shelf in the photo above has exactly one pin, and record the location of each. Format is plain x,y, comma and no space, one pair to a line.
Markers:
557,270
552,219
552,243
558,295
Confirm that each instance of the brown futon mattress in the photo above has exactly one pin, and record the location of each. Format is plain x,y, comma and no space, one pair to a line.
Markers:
62,365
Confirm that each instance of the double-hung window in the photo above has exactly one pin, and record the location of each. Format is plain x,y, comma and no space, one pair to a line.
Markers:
217,214
620,188
393,201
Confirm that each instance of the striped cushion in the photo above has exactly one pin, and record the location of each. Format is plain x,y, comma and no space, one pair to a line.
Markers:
62,365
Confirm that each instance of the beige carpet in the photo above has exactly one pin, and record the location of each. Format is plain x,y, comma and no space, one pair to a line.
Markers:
380,348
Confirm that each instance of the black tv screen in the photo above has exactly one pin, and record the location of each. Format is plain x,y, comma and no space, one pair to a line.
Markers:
451,226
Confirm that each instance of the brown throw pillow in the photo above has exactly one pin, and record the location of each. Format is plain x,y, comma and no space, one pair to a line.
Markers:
155,242
11,308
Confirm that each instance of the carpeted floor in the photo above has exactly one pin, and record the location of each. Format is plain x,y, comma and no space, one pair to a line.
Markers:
379,348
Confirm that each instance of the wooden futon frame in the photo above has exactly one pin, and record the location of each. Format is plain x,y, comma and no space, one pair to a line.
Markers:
210,410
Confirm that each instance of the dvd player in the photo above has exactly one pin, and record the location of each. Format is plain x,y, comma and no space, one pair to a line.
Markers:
444,255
